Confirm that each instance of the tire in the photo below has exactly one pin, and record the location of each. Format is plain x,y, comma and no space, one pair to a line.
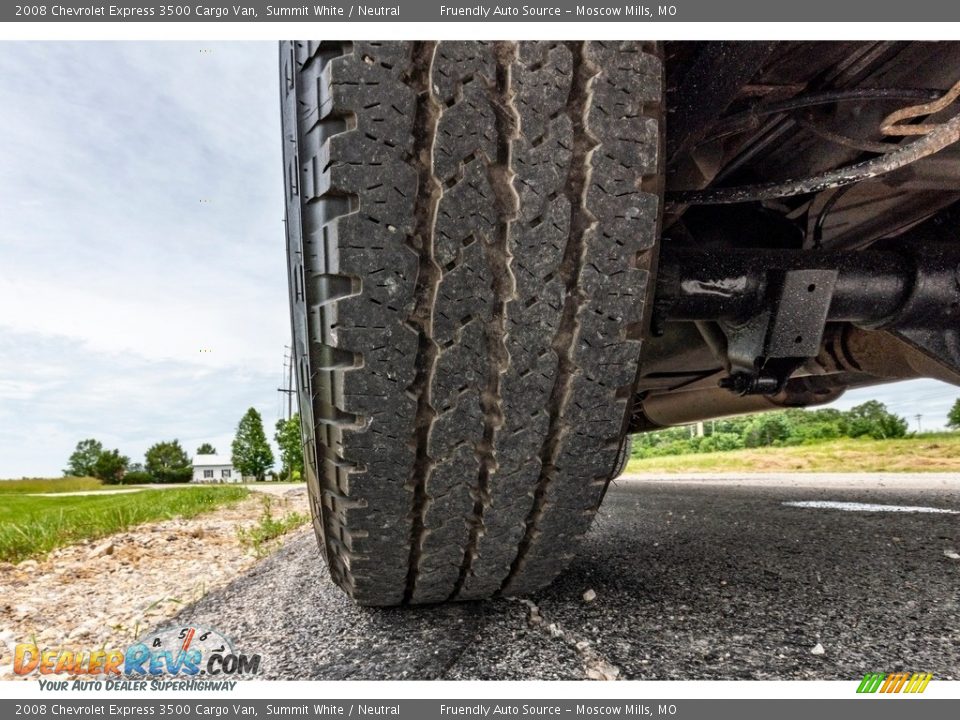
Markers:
471,231
623,459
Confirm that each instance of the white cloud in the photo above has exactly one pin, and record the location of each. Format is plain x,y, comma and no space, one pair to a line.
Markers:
141,194
931,399
125,401
142,199
13,389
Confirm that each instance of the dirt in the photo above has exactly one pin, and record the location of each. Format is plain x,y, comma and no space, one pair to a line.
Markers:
110,590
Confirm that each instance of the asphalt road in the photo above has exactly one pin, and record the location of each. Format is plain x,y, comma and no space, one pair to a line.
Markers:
693,580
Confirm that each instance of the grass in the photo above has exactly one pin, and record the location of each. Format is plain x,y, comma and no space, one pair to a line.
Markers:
259,537
271,483
33,526
51,485
930,452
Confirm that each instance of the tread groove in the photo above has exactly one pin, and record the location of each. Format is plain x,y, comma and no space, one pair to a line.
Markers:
426,124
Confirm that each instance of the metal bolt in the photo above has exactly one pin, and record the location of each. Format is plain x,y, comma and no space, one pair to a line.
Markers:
743,383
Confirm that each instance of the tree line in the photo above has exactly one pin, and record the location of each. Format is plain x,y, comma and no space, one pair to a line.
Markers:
786,427
168,462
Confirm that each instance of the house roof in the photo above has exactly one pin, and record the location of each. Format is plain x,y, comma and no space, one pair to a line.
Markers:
211,460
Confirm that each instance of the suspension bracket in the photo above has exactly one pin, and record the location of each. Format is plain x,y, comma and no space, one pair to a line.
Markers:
774,305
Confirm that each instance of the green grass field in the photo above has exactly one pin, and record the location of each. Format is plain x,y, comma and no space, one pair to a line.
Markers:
50,485
931,452
32,526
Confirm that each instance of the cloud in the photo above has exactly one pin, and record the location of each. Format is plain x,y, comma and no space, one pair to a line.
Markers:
124,400
142,264
931,399
142,197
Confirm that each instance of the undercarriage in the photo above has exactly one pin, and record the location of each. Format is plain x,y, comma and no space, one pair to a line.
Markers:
810,233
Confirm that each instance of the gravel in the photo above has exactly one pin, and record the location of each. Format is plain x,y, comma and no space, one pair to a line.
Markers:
107,592
687,580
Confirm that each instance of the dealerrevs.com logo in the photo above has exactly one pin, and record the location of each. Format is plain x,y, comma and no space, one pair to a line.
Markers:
182,651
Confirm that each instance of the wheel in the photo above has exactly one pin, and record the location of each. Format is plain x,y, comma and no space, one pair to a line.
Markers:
470,231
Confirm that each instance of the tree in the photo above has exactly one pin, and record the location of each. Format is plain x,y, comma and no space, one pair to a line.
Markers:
91,460
251,454
111,466
872,418
168,463
953,417
765,430
84,458
291,447
206,449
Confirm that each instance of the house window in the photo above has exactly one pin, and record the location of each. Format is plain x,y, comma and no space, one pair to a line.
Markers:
224,473
208,474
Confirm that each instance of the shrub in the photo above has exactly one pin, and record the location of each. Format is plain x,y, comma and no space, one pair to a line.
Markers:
766,430
874,420
720,442
137,477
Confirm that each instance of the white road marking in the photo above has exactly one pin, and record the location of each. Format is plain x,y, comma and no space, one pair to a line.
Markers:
868,507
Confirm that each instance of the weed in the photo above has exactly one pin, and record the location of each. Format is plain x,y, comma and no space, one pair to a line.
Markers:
259,537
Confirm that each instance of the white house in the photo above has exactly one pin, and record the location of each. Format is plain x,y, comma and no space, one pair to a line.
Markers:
214,469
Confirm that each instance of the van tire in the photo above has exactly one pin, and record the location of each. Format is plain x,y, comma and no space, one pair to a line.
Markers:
471,231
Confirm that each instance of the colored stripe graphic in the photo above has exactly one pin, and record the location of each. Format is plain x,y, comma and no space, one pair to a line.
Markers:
870,683
918,683
894,682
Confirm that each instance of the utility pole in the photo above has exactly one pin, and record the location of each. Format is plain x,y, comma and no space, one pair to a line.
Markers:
290,387
918,416
288,364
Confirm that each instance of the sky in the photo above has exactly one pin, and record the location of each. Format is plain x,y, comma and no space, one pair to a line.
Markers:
142,266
